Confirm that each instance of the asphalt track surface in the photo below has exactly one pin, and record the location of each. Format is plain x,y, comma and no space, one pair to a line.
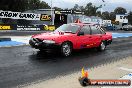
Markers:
22,65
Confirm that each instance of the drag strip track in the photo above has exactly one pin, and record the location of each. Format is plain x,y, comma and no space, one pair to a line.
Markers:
22,65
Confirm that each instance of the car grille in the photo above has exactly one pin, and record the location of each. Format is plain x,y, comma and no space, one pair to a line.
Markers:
36,40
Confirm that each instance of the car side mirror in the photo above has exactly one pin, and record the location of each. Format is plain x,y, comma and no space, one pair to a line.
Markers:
80,33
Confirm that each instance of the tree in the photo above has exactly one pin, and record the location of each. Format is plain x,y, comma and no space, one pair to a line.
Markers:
66,9
76,7
112,16
90,10
81,8
98,13
120,10
87,9
22,5
37,4
105,15
43,5
57,8
14,5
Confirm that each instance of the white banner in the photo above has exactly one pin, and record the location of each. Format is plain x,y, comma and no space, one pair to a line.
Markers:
122,18
19,15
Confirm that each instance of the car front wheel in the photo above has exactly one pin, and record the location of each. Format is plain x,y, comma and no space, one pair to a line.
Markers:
66,49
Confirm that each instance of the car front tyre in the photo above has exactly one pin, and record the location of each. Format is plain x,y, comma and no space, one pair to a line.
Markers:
66,49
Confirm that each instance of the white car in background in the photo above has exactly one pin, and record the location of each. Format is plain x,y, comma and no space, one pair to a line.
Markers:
127,27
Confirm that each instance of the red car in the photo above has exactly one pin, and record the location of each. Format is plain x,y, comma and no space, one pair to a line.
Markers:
72,36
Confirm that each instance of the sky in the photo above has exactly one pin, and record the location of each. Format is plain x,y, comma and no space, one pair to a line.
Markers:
110,5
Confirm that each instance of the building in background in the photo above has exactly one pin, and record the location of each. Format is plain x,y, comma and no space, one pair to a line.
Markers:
122,19
92,19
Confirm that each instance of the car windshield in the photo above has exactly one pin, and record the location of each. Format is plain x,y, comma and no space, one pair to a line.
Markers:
68,28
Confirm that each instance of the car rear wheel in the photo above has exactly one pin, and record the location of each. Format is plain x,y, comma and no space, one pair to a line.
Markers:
66,49
102,46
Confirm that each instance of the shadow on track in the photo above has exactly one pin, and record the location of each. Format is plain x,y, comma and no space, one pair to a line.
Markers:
54,57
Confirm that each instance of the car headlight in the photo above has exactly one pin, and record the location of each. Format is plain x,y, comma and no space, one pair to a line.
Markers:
49,41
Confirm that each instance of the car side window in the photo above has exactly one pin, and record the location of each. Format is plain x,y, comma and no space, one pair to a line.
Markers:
95,30
86,30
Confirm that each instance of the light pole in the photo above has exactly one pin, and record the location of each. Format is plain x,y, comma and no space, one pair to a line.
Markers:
52,16
101,9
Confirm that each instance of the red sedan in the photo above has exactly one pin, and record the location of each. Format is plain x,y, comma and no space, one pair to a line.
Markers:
72,36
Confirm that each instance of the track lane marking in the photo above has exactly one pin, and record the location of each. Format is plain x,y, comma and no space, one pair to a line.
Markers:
125,69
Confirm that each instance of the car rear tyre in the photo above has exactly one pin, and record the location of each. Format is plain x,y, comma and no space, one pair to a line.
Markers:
102,46
66,49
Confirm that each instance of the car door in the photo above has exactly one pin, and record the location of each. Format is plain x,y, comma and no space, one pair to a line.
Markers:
84,41
97,35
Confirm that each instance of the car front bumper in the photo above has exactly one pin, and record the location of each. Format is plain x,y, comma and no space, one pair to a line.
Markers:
39,44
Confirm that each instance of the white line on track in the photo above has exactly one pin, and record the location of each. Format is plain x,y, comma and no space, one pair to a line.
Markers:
125,69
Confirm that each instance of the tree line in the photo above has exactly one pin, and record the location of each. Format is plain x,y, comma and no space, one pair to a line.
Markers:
89,9
22,5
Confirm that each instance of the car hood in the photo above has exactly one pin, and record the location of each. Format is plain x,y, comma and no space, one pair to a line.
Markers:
50,35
